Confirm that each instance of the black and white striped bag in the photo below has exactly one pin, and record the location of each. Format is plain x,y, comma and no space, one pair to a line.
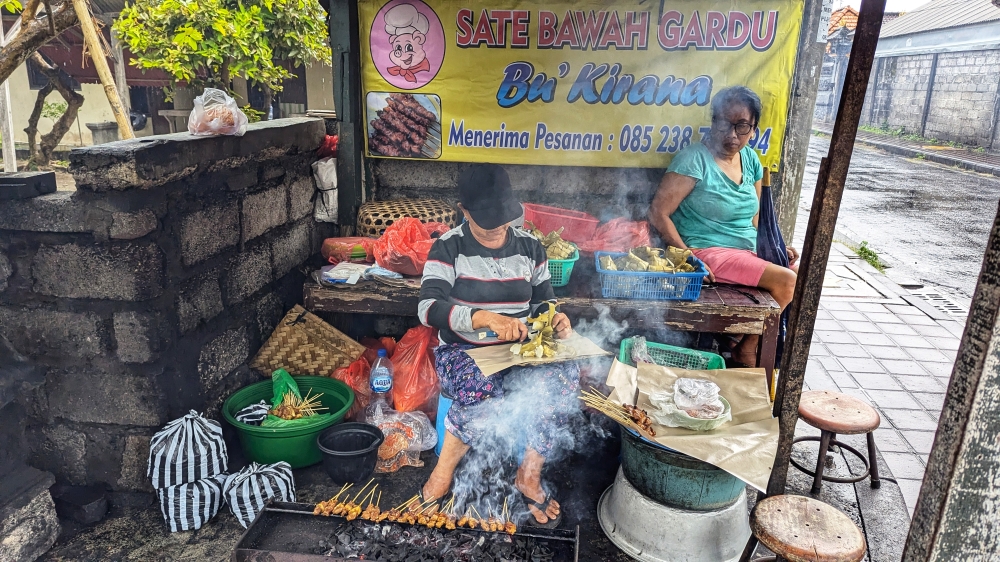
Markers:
188,449
250,489
254,414
188,506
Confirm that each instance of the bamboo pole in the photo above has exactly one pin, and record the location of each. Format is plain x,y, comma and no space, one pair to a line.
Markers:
103,71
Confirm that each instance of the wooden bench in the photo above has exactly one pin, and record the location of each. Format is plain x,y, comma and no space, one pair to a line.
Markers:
725,309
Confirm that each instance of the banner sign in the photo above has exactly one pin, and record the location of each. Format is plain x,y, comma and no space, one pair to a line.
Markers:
581,83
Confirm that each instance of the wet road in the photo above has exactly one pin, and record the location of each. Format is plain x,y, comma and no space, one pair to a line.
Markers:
929,222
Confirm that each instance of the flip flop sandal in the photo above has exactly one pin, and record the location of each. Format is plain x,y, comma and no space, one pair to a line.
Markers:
540,506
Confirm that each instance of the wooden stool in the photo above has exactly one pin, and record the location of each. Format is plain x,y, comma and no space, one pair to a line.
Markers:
833,413
801,529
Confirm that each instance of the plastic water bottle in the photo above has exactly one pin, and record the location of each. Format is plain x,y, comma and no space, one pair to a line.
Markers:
380,381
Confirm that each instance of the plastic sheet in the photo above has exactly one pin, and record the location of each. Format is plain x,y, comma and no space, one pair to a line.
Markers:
617,235
325,208
216,113
415,382
404,245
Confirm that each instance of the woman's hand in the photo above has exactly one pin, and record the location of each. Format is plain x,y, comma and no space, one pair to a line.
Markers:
561,325
793,255
505,327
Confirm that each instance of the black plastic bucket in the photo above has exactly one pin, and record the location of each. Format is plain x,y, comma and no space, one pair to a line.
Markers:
350,451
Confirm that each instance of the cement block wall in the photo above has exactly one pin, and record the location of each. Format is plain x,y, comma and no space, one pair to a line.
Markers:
964,99
963,105
147,290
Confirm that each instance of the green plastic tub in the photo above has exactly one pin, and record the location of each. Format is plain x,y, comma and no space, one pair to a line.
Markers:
296,446
672,356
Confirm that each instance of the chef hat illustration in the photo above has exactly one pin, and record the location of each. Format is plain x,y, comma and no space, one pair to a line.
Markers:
403,19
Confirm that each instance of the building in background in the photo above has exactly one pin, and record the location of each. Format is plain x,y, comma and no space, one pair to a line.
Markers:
936,74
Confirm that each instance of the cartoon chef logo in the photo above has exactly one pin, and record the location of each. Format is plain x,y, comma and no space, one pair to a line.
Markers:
407,43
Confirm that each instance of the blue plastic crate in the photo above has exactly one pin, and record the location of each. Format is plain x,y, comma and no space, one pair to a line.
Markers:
650,285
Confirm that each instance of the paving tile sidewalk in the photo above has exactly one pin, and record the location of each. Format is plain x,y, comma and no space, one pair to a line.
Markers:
982,162
894,356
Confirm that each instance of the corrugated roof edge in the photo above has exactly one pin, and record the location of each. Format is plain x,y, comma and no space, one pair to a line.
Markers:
942,14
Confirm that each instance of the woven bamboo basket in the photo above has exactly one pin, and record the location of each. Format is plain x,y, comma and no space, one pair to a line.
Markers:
375,216
303,344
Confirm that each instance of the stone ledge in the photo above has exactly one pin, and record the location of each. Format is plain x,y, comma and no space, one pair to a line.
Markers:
151,162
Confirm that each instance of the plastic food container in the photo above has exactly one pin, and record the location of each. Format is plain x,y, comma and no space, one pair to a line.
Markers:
350,451
296,446
577,226
673,356
560,270
650,285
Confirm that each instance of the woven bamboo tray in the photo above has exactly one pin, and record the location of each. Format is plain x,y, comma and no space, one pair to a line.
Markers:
303,344
375,216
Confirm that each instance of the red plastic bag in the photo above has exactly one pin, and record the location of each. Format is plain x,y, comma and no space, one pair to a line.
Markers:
618,235
415,382
404,246
372,346
336,250
355,376
329,147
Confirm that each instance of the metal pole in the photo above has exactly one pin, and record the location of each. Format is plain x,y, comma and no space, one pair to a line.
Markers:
6,116
819,236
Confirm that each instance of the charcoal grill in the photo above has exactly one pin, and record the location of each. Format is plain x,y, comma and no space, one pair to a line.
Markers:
289,532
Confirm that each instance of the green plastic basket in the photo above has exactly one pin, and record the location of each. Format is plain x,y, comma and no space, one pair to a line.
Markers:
560,270
673,356
296,446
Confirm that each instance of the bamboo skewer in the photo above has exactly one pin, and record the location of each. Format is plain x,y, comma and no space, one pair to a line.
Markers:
362,490
406,503
595,399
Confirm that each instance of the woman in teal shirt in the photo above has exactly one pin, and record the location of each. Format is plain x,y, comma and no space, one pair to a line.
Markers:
709,199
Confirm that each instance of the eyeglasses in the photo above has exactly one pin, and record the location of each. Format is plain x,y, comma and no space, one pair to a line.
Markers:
742,128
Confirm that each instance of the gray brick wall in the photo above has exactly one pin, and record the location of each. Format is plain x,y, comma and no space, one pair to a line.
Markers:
135,290
964,102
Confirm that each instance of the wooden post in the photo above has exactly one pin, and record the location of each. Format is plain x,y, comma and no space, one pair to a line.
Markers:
7,117
955,516
819,237
344,42
103,71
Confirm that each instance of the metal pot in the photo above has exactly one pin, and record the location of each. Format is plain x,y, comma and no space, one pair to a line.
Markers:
676,480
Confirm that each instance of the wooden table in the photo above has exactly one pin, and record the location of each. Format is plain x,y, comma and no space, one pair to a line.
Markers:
726,309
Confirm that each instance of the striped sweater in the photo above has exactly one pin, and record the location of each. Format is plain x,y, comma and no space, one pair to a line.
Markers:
462,277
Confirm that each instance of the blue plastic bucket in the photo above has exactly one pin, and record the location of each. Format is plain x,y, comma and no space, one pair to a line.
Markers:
444,404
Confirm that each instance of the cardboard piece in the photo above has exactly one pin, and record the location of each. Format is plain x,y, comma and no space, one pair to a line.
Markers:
744,447
492,359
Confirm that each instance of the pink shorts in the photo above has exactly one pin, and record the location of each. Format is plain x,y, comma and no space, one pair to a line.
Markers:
737,267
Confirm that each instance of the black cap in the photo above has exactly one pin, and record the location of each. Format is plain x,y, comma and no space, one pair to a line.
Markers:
484,190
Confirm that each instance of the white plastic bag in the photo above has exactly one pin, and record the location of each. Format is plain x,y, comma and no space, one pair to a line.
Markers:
694,404
325,172
215,113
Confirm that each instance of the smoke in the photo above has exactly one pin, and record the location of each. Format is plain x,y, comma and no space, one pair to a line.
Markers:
540,404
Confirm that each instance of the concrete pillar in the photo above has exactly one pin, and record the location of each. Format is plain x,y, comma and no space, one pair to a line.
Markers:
956,513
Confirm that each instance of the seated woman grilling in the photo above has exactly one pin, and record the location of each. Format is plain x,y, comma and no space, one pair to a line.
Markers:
709,200
481,282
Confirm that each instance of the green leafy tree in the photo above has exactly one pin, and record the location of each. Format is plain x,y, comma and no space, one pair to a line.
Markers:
207,42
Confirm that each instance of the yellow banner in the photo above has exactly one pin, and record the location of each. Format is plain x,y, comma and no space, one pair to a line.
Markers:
591,83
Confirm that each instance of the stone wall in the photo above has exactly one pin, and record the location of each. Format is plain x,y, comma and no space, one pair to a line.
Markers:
147,289
964,102
964,98
603,192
